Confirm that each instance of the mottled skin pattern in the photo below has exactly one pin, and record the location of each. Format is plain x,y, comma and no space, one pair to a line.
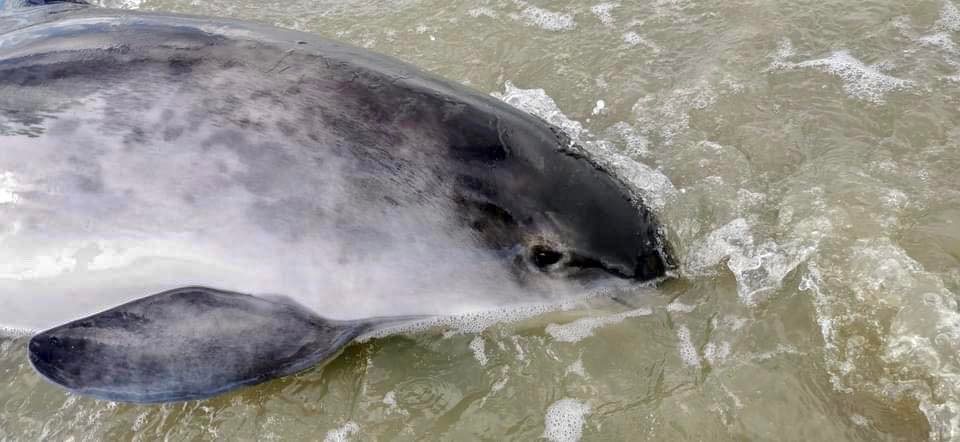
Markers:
144,152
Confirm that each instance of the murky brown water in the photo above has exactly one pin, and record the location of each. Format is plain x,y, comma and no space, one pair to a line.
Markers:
803,156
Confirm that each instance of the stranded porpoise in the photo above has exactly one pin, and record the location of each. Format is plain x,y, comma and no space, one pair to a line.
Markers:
150,153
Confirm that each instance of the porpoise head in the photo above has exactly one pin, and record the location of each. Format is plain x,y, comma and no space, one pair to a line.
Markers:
526,190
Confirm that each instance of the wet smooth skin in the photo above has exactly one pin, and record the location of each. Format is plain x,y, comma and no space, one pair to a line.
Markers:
189,343
236,142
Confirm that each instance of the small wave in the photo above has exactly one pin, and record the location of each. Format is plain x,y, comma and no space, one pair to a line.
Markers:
759,267
882,295
653,187
861,81
13,333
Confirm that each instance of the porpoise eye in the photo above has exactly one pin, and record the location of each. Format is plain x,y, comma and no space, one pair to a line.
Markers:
544,257
54,341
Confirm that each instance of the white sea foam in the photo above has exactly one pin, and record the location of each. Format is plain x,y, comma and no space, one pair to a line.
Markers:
881,294
651,185
861,81
10,332
482,12
343,433
604,12
668,114
632,39
479,350
576,368
564,420
390,400
688,353
537,102
759,267
715,353
679,307
583,328
599,107
940,40
637,145
546,19
949,19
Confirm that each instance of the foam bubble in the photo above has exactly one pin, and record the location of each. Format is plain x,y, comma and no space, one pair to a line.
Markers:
564,420
119,4
780,58
634,39
12,332
548,20
652,186
390,400
583,328
679,307
883,295
599,108
861,81
537,102
949,17
479,350
715,353
941,40
482,11
668,115
343,433
688,353
603,11
637,144
576,368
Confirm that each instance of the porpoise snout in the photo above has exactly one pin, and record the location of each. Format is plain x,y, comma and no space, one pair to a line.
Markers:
43,351
53,356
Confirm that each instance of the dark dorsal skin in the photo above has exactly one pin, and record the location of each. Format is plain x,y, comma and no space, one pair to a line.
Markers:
152,151
189,343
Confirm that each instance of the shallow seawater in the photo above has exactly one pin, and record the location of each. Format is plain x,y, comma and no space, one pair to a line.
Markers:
803,157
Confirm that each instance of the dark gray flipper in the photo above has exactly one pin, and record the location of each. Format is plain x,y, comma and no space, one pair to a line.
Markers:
188,343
